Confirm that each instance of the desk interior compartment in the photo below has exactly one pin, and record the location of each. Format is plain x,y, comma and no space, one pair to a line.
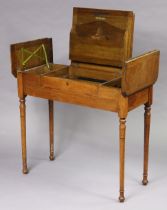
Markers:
80,80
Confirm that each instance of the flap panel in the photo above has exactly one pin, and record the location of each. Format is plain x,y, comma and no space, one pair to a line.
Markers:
101,36
31,54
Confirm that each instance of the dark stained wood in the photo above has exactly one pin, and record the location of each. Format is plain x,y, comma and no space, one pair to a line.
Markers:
101,75
101,36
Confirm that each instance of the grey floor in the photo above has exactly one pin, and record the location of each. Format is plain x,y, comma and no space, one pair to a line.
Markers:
85,172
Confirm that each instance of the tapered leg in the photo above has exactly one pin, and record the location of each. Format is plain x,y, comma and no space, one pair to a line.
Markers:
122,129
51,128
147,117
23,134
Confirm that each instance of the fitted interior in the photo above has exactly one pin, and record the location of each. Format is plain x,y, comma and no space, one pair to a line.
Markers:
94,76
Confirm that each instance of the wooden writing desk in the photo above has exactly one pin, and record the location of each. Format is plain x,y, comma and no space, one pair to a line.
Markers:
102,74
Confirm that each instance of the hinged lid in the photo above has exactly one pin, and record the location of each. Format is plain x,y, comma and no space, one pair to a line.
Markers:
31,54
101,36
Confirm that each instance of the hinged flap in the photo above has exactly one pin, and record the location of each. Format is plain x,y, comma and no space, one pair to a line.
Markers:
31,54
101,36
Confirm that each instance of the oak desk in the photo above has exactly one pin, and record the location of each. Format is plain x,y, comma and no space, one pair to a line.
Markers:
102,74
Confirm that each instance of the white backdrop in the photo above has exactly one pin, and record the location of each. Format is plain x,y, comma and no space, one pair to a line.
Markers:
85,172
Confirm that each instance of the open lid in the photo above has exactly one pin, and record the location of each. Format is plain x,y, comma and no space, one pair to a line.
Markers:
101,36
30,54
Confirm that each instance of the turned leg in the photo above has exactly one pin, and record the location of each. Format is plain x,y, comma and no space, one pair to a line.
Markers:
23,134
51,128
147,116
122,129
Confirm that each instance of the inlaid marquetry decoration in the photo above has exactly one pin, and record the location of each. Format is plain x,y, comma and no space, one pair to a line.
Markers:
102,75
27,55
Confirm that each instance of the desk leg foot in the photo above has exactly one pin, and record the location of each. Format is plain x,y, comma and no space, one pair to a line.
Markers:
144,181
122,129
51,129
121,198
147,118
51,158
23,134
25,170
